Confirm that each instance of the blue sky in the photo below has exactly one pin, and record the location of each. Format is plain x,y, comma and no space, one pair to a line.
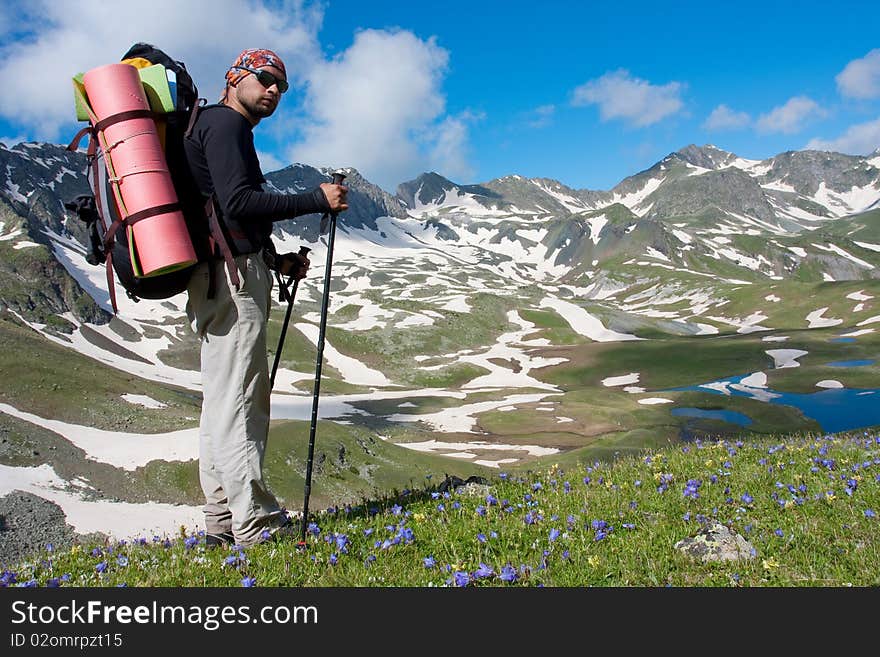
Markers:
585,93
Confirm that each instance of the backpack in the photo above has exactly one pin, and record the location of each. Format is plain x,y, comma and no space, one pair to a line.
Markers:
174,111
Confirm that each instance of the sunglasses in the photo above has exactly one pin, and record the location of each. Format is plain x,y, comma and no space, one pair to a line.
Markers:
266,79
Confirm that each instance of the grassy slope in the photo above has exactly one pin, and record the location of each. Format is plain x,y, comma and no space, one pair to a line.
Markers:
807,508
88,394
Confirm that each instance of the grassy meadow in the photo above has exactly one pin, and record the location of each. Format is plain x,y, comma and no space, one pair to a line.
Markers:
805,505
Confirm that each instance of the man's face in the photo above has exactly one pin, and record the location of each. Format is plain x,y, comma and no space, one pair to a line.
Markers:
258,100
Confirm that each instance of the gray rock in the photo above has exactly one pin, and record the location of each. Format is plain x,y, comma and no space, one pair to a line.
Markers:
28,524
715,542
474,490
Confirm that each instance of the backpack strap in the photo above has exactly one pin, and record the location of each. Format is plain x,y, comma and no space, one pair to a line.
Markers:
220,243
107,121
192,116
217,239
109,231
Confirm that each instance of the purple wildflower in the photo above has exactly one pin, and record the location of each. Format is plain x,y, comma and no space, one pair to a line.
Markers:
690,489
429,562
508,574
248,582
483,571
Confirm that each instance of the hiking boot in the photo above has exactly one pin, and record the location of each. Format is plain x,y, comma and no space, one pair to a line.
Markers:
215,540
289,529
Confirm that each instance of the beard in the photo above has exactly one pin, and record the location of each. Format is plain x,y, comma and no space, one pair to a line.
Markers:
258,109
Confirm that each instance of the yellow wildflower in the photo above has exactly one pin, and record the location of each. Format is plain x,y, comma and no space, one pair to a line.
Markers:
770,564
593,561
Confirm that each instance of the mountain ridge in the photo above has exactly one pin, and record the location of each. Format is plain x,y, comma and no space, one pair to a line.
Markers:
698,209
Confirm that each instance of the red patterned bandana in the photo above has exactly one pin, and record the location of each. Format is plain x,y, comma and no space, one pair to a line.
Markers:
252,58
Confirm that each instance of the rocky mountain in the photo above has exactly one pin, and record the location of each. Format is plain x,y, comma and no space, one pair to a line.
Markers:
38,179
803,186
700,209
366,200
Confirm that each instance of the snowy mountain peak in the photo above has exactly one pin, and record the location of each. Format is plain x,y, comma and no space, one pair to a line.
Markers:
706,157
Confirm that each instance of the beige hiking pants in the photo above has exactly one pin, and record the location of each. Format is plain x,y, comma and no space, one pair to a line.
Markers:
234,423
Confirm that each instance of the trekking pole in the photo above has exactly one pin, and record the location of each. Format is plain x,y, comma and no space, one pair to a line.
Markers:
337,180
303,251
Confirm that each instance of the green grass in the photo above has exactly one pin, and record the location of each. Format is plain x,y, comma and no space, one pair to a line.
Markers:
62,384
807,505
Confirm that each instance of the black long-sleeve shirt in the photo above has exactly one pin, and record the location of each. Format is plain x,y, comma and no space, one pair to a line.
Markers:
223,162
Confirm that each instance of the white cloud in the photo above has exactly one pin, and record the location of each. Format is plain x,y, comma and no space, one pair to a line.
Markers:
791,117
61,39
621,96
861,139
724,118
268,162
375,107
449,152
542,116
861,77
9,142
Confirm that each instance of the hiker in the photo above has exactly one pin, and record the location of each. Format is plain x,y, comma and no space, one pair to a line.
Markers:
231,324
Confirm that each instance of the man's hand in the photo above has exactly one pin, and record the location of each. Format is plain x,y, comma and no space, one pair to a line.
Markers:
294,265
335,196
